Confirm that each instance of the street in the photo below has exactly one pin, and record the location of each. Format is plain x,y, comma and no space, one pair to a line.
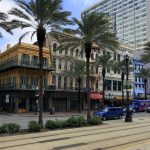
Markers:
111,135
23,119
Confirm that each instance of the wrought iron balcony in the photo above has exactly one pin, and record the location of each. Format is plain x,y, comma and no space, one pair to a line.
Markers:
15,63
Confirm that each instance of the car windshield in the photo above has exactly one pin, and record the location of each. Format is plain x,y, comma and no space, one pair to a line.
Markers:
105,109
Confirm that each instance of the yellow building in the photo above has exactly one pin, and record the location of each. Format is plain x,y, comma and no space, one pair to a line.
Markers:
19,78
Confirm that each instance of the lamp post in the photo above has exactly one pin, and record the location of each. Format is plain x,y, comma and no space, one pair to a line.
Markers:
128,117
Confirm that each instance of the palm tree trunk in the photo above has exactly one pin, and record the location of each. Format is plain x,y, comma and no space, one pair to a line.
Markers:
79,95
41,87
103,75
88,47
41,38
122,80
145,88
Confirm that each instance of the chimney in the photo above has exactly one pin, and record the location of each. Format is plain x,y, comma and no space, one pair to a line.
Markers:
8,46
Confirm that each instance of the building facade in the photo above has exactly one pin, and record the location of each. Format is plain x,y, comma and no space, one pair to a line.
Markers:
131,19
19,78
66,94
138,81
68,86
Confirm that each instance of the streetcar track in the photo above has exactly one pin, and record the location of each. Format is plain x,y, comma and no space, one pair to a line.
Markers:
71,138
79,131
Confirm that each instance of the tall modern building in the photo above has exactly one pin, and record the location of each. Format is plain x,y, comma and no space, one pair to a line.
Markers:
131,19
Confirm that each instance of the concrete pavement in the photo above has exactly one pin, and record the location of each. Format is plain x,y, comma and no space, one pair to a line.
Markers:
112,135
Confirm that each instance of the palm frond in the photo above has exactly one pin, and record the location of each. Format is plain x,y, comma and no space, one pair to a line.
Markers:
23,36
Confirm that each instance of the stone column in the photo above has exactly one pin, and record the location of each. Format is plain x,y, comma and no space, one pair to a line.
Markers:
112,85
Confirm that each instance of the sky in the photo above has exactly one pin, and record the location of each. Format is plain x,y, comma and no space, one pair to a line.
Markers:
74,6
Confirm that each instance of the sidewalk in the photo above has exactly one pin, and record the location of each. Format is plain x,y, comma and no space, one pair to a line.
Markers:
56,114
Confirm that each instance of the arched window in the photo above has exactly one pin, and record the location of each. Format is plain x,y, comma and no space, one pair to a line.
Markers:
77,52
59,82
54,47
53,79
92,56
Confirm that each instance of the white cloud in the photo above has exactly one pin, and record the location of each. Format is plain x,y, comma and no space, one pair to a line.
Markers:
5,6
84,3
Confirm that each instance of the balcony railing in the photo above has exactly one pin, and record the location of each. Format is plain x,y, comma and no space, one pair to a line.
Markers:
25,87
26,64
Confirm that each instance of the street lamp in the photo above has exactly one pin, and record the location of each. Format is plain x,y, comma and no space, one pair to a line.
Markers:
128,117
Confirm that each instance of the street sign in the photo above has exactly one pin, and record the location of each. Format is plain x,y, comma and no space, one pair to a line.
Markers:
7,98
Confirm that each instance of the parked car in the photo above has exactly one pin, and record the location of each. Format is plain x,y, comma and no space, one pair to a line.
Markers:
110,113
148,109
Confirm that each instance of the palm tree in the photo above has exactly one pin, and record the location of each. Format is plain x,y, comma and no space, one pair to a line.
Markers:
93,28
41,16
145,74
77,70
3,24
103,61
146,56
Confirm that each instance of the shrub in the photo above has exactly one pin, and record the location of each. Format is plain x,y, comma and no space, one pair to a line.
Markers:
3,128
57,124
76,121
9,128
34,126
12,128
95,120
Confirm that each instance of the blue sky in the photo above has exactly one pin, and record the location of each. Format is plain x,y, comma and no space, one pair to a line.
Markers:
74,6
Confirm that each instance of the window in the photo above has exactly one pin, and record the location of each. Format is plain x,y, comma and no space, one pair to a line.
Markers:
77,52
45,62
71,83
54,47
23,82
53,79
34,60
65,82
25,59
66,52
59,82
65,66
45,83
114,56
118,57
114,85
71,53
59,64
119,85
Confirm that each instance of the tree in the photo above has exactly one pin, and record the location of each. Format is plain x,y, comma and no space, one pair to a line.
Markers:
146,56
41,16
105,62
3,24
77,70
93,28
145,74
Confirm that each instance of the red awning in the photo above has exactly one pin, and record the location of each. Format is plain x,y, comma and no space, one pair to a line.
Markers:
96,96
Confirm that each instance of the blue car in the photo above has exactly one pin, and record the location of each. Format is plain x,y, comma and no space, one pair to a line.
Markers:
110,113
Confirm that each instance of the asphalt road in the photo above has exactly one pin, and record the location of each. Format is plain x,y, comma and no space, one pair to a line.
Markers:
23,119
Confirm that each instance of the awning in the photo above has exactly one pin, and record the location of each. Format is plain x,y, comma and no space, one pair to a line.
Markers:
96,96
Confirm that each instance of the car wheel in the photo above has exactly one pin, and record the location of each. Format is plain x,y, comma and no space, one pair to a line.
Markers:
120,116
104,118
